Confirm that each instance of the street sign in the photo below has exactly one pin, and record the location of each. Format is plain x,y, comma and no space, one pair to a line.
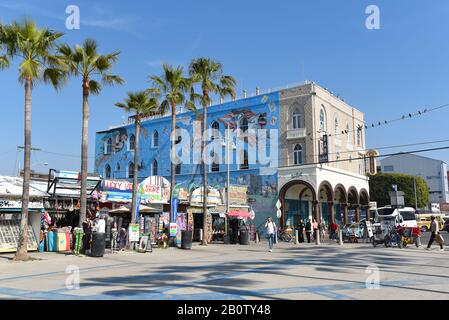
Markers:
324,155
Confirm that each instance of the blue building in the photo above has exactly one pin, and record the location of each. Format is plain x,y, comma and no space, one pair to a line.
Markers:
295,121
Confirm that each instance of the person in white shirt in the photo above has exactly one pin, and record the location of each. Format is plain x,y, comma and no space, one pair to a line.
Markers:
100,226
271,229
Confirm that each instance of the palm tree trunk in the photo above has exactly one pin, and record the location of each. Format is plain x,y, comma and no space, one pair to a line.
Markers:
22,249
136,170
205,189
172,158
83,191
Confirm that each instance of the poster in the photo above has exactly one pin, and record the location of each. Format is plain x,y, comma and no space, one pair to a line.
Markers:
173,229
133,233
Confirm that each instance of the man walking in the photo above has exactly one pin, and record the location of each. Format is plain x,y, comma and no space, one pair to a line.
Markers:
270,226
308,230
435,229
301,231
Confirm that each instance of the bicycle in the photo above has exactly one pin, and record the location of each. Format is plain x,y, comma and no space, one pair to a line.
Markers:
284,236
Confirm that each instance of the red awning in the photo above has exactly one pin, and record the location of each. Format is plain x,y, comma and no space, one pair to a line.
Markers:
242,214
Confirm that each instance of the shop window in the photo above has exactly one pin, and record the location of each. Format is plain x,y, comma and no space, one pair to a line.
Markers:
131,170
297,119
215,126
154,168
297,154
107,172
244,165
132,143
155,139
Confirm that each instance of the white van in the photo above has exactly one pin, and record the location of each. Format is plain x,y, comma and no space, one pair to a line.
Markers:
405,217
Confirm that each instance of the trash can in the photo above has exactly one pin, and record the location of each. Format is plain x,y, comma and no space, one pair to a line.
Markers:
98,244
79,234
244,236
186,239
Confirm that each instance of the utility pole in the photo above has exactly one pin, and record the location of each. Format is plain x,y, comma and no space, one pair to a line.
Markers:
20,148
228,179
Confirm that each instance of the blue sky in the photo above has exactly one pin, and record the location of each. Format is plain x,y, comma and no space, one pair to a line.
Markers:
401,68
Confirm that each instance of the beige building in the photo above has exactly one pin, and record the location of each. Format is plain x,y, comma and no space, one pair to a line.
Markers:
336,190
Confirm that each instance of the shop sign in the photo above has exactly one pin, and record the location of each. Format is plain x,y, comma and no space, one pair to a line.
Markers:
17,204
173,229
133,232
213,196
116,190
238,195
155,189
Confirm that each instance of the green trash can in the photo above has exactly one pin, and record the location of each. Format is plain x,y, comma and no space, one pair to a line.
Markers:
79,233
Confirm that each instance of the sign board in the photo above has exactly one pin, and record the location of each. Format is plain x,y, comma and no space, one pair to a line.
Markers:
173,229
174,209
9,236
133,233
17,204
116,190
155,189
213,196
238,195
324,154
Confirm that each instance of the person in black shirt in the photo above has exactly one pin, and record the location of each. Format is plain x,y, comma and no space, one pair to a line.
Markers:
308,230
300,229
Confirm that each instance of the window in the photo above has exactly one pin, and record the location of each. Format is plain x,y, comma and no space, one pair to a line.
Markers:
297,154
107,172
131,170
108,146
155,139
388,168
297,119
336,126
359,136
132,142
244,125
117,169
154,168
244,165
215,130
322,120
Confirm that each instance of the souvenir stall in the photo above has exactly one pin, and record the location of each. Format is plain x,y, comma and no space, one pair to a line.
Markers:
195,212
237,217
10,212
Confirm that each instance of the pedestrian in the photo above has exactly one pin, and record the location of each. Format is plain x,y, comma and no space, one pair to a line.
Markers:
300,231
334,228
322,229
308,230
122,236
315,229
270,227
435,229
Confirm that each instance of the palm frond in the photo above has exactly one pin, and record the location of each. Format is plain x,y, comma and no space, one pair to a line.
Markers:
94,87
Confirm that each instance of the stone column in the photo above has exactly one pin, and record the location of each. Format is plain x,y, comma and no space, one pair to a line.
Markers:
316,210
368,214
331,212
344,207
357,213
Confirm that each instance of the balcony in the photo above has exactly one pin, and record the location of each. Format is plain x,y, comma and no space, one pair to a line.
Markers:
296,134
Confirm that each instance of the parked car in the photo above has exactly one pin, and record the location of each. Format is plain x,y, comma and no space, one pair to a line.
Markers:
424,221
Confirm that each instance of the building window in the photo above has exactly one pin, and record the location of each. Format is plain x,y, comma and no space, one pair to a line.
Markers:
244,125
154,168
215,130
131,170
107,172
132,143
297,154
297,119
336,126
117,169
388,168
178,169
244,165
359,136
322,120
155,139
108,146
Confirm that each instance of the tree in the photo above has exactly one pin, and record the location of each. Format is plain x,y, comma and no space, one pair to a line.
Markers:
34,47
209,74
4,61
171,87
85,62
380,184
141,105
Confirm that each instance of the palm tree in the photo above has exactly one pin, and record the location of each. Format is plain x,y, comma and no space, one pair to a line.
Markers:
209,74
141,105
4,61
85,62
33,46
172,88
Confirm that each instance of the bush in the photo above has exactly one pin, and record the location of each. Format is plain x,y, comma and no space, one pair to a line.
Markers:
380,184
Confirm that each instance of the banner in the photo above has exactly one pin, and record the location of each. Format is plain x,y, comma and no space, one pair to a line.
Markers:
173,229
238,195
174,209
133,233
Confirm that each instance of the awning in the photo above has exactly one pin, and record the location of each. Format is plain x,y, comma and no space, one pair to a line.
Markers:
238,213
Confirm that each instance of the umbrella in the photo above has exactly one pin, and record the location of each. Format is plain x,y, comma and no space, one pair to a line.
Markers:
242,214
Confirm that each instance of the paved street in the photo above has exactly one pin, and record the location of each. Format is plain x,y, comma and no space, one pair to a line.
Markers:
234,272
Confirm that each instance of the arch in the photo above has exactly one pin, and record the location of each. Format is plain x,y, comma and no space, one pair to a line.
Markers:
215,126
326,198
353,204
340,204
340,194
307,188
155,139
326,187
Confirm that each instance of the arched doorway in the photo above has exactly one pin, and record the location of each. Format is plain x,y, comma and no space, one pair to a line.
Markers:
353,205
340,204
364,205
299,201
326,202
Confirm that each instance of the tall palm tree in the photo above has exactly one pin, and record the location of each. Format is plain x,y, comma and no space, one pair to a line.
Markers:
141,105
85,62
34,47
4,61
209,74
172,87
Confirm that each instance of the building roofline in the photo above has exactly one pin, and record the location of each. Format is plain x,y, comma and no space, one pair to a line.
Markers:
414,155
